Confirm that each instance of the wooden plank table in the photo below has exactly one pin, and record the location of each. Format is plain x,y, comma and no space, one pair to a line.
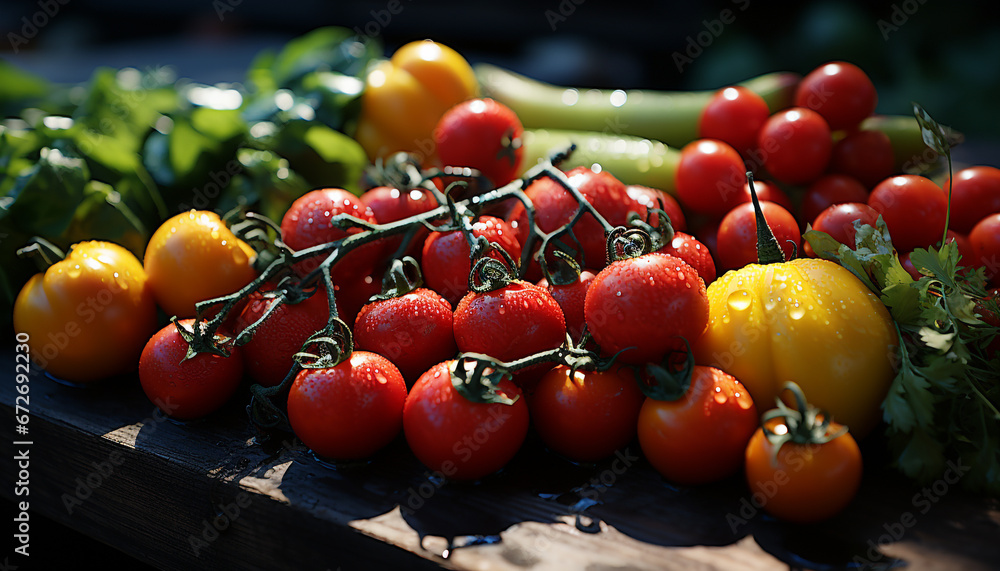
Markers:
206,495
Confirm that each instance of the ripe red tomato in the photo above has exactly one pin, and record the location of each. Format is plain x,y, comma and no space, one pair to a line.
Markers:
446,262
913,208
554,207
655,198
710,177
696,254
738,234
268,356
795,145
975,194
588,415
349,411
482,134
838,222
391,205
702,436
643,304
708,234
839,91
307,223
570,298
864,155
458,438
734,115
829,190
985,241
186,388
803,483
414,331
354,293
509,323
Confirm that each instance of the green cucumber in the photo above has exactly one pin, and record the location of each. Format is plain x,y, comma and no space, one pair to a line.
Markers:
632,160
909,150
667,116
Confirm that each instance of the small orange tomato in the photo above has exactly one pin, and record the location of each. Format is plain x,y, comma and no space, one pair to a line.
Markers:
193,257
802,472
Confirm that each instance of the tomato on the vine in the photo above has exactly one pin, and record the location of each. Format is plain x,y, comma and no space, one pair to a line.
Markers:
446,255
700,437
268,356
307,222
182,387
644,305
570,298
87,316
555,206
839,91
192,257
656,198
459,438
587,415
483,134
413,330
795,144
692,251
390,204
348,411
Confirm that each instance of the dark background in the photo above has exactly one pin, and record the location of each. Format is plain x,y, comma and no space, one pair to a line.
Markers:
945,55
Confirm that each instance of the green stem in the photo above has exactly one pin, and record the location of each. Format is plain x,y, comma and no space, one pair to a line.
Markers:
947,212
45,253
768,250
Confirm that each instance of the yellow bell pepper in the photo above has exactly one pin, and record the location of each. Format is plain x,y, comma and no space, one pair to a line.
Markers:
405,96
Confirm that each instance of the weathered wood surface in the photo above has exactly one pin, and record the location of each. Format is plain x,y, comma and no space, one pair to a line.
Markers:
105,463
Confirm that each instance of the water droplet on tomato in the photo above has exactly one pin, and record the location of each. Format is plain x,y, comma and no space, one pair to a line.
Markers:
796,312
739,300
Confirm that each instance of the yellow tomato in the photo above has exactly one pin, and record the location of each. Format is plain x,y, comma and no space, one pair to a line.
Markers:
405,96
89,315
193,257
808,321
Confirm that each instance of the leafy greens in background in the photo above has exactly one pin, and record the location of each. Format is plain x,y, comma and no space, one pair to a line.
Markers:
112,158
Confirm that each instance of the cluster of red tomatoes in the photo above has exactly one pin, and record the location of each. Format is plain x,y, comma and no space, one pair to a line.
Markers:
821,168
404,373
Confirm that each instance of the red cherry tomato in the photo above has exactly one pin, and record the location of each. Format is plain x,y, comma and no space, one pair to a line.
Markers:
446,263
913,208
829,190
414,331
795,145
710,177
838,221
738,234
644,304
975,194
766,191
696,254
985,241
588,415
734,115
864,155
655,198
391,205
349,411
570,298
482,134
702,436
307,223
186,388
458,438
839,91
